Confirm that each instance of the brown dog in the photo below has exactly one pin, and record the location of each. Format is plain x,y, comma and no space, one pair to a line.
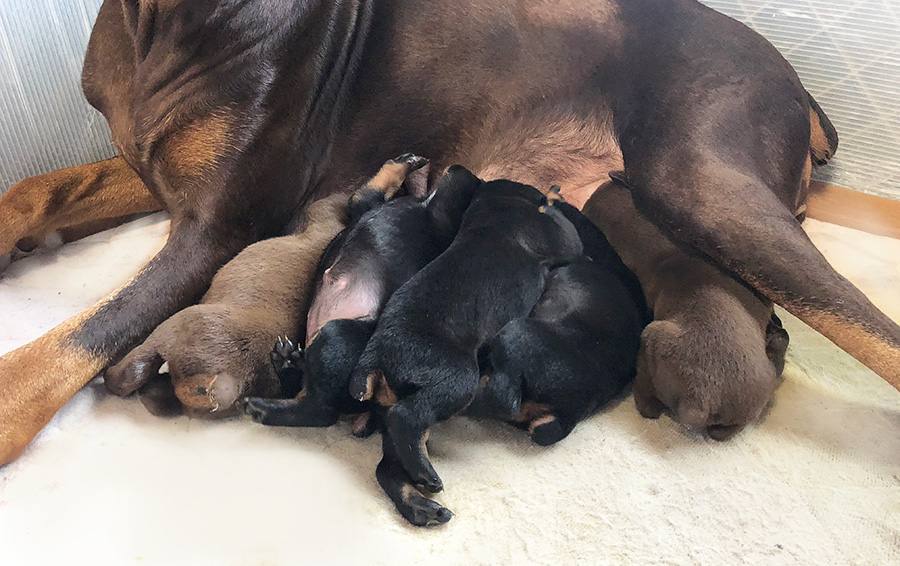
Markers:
704,357
234,116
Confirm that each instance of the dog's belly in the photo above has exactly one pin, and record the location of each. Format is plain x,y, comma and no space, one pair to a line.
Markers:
555,146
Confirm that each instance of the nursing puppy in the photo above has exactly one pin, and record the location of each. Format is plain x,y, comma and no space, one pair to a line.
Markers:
575,352
713,354
385,245
421,363
218,351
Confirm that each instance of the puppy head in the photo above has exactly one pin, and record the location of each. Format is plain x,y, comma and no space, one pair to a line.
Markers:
452,195
716,380
533,219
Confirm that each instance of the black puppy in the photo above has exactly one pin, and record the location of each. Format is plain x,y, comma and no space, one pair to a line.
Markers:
421,363
385,244
577,349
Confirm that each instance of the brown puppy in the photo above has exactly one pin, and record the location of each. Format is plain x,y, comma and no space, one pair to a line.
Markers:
704,357
234,116
218,351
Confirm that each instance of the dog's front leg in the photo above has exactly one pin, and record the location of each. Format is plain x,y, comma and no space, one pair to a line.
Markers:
38,378
68,204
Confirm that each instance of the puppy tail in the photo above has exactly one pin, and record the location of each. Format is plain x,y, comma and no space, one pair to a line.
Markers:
823,138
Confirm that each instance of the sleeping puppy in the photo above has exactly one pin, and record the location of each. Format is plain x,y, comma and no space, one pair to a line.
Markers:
713,354
575,352
384,245
218,350
421,365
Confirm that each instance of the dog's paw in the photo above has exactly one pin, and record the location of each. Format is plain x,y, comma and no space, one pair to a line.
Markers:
256,408
285,355
412,160
423,512
547,430
428,480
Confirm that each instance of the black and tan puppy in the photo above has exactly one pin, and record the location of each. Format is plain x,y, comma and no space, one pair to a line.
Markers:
385,245
577,349
421,364
714,351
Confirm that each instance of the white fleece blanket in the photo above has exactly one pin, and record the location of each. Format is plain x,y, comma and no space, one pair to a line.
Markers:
817,483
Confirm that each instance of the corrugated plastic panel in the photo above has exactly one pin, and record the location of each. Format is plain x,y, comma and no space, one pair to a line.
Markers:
45,123
848,56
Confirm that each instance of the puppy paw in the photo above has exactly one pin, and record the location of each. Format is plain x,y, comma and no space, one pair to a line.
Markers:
547,430
429,481
286,356
423,512
256,408
412,160
288,362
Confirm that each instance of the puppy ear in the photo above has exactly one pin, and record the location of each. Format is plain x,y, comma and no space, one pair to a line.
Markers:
451,197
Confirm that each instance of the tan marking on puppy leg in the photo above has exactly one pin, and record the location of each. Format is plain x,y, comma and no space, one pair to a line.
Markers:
371,380
384,395
553,195
425,438
408,491
540,421
530,411
389,178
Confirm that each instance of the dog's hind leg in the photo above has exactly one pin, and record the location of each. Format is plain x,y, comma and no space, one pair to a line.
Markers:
70,203
738,221
412,504
407,421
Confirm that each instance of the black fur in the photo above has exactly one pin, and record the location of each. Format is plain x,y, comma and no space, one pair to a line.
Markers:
424,349
385,246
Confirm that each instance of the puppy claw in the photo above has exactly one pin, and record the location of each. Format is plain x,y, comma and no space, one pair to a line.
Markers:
414,161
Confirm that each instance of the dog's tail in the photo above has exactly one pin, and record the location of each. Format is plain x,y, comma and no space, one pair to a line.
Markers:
823,138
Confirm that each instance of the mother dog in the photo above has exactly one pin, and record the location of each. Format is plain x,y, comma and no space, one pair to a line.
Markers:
233,115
